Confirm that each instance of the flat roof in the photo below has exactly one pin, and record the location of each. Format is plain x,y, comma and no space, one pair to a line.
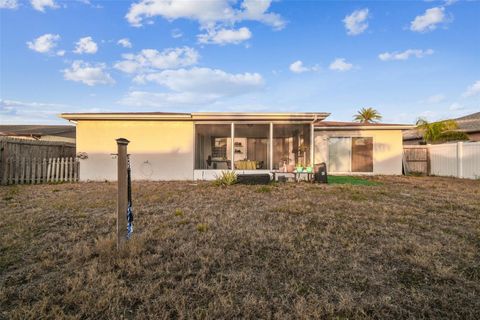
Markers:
200,116
341,125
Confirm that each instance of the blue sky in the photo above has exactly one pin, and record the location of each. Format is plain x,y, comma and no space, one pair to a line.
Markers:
407,59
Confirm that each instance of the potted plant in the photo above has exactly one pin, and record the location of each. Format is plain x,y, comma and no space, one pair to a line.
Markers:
299,167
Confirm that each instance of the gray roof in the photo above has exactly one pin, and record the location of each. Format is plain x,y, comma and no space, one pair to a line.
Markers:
469,124
37,130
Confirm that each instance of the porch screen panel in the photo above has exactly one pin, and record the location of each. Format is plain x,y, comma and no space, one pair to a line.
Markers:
213,146
339,154
251,146
291,145
362,154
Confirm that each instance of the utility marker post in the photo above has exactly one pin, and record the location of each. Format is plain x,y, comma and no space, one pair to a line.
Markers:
122,196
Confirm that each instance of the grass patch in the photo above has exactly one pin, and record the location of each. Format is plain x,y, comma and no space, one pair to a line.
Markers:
351,180
264,189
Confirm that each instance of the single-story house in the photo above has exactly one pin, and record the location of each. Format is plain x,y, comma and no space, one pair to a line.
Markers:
198,146
39,132
470,124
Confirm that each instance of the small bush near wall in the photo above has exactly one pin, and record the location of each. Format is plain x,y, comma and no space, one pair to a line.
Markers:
227,178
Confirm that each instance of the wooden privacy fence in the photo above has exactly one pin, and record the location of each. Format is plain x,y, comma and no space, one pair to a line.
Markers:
35,171
416,159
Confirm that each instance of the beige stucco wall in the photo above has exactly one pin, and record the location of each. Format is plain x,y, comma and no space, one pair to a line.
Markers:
160,150
387,148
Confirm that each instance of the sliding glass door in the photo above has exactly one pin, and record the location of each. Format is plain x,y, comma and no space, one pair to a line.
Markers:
350,154
339,154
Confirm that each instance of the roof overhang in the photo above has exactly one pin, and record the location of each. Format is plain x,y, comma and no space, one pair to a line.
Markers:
379,127
200,116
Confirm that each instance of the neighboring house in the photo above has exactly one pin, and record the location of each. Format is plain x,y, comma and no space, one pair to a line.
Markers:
469,124
39,132
186,146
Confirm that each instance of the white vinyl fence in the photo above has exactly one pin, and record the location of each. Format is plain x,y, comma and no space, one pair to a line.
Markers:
461,160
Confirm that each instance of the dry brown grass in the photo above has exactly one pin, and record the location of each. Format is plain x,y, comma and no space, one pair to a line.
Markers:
409,248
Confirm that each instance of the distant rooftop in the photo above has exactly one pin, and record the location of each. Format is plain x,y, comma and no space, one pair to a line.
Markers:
468,124
335,125
37,130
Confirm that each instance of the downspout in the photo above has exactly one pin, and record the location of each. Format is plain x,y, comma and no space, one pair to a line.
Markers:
312,141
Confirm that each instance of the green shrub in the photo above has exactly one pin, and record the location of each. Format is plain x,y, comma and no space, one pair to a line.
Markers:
178,212
227,178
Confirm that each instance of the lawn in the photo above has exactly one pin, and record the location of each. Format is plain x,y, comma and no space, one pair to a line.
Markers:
351,180
405,247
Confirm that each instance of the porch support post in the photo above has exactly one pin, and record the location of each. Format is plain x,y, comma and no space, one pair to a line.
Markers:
312,144
232,147
271,147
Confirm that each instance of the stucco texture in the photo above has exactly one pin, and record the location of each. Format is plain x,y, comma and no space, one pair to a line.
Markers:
387,148
159,150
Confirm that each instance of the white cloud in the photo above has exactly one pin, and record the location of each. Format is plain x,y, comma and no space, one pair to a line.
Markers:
356,23
176,33
225,36
456,106
299,67
340,64
8,4
450,2
429,20
149,60
40,5
207,12
386,56
204,80
125,42
45,43
437,98
193,87
87,73
86,45
60,53
472,90
21,112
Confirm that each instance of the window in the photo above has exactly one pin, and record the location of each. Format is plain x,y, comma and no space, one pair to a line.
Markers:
350,154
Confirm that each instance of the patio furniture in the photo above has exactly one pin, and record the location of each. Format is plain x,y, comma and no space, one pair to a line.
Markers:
246,165
296,176
321,173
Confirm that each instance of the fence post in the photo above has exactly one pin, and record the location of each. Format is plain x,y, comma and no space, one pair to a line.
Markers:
49,169
459,159
122,195
62,165
57,171
22,171
429,162
33,176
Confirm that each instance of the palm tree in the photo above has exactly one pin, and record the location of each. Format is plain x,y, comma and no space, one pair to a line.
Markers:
368,115
440,131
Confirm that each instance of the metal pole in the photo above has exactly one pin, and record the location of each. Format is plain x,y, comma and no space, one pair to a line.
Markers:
232,152
122,196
